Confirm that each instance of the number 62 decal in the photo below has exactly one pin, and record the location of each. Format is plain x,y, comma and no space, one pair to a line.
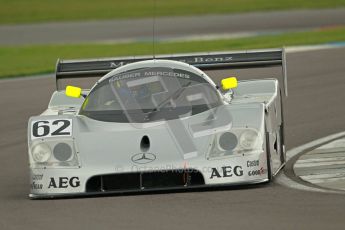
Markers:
51,128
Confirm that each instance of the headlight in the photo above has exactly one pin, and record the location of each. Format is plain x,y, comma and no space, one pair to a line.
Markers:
62,152
54,153
238,141
227,141
41,153
249,139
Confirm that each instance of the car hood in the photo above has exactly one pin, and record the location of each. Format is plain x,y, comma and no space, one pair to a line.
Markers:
171,143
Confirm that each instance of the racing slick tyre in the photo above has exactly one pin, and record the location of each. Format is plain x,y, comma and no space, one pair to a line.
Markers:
282,133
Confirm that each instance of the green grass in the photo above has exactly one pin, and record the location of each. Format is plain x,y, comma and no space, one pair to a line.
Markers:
27,60
27,11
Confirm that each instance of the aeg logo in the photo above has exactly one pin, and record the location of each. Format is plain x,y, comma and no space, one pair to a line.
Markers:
227,171
64,182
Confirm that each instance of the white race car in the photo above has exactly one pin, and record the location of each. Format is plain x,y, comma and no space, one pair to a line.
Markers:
156,124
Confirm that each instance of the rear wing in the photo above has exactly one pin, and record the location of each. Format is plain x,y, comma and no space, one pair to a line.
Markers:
205,61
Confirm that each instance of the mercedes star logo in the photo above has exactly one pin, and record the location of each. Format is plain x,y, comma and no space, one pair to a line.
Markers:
143,158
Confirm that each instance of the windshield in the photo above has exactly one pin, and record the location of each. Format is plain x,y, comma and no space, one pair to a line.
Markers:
150,94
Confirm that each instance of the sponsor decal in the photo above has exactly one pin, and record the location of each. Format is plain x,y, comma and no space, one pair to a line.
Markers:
226,171
37,176
149,74
64,182
207,59
210,59
143,158
36,186
257,172
253,163
117,64
126,76
167,73
51,128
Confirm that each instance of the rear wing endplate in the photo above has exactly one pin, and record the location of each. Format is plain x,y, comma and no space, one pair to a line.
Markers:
205,61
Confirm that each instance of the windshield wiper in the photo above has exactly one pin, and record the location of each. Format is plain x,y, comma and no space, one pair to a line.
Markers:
174,96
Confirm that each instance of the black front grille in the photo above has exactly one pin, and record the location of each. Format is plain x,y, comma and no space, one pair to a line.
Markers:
145,180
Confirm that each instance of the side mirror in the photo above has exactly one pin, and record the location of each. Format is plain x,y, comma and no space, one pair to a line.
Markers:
72,91
229,83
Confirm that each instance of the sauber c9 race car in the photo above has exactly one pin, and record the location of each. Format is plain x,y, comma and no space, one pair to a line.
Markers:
157,124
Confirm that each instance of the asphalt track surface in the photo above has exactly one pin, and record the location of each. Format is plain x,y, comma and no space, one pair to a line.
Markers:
314,109
169,27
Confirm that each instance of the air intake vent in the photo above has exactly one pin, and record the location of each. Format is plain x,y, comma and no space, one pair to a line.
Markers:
145,181
145,144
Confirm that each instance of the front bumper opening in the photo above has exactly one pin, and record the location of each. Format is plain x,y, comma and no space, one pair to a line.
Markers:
144,181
